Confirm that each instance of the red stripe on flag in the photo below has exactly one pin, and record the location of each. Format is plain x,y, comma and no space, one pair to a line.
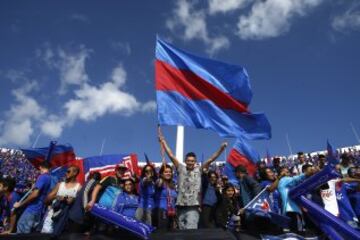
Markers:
188,84
236,159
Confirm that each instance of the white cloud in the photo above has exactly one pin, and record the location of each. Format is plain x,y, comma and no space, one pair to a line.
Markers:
193,25
224,6
348,21
72,68
18,125
91,102
273,17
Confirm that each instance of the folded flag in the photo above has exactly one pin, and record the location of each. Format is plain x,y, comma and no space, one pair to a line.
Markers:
60,155
263,206
204,93
241,154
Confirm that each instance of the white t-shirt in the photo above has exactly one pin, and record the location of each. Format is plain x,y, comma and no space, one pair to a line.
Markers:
329,198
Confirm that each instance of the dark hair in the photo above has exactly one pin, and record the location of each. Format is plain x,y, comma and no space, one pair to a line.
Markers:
241,168
76,168
190,154
300,153
152,169
161,171
45,164
8,182
305,167
212,172
262,173
321,156
96,176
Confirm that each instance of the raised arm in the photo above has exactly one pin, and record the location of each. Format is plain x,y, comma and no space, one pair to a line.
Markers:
168,151
215,155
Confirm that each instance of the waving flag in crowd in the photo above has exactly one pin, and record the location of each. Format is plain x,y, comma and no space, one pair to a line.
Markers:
204,93
60,155
241,154
263,206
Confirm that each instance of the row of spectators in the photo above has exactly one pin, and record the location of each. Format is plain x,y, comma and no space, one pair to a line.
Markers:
177,196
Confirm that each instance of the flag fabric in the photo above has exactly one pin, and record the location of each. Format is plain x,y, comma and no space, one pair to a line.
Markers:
263,206
61,155
331,157
204,93
241,154
287,236
106,164
346,211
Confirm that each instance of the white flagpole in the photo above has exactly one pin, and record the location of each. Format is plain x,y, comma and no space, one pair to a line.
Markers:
102,146
288,143
355,132
36,140
180,143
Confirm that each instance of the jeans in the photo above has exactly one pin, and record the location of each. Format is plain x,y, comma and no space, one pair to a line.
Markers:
28,221
188,217
144,215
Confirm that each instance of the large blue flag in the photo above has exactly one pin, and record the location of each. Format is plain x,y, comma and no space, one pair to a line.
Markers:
203,93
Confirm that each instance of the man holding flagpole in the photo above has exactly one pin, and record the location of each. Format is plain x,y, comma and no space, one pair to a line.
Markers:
189,185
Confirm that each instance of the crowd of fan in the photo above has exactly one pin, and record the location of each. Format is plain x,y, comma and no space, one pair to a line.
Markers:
176,196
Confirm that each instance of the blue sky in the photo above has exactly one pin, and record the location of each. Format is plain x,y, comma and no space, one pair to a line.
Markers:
81,72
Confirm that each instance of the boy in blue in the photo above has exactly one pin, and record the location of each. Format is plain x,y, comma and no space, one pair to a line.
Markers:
34,203
7,199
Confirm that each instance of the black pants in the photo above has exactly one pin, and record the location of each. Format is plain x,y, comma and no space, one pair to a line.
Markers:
296,222
207,217
164,222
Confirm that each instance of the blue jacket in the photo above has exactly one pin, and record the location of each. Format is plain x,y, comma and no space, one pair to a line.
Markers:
284,186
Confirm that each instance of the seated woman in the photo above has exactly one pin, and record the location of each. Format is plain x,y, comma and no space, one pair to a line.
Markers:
61,198
147,194
127,201
165,199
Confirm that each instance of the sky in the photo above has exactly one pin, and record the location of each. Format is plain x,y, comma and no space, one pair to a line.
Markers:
81,72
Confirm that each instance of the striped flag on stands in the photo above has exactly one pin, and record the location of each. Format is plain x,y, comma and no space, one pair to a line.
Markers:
60,155
241,154
204,93
106,164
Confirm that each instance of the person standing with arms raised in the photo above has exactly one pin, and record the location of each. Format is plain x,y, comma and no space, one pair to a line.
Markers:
189,185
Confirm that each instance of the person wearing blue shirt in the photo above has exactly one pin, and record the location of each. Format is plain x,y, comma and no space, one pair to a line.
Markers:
8,197
210,192
147,194
268,178
165,198
127,201
34,203
289,207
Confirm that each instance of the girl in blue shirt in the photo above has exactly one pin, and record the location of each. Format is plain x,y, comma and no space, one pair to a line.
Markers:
127,202
147,194
165,198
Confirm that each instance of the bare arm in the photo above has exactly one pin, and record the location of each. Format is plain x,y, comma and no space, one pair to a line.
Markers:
168,151
52,195
33,195
94,195
215,155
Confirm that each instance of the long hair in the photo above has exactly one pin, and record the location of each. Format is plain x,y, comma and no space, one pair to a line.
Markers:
170,182
154,176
